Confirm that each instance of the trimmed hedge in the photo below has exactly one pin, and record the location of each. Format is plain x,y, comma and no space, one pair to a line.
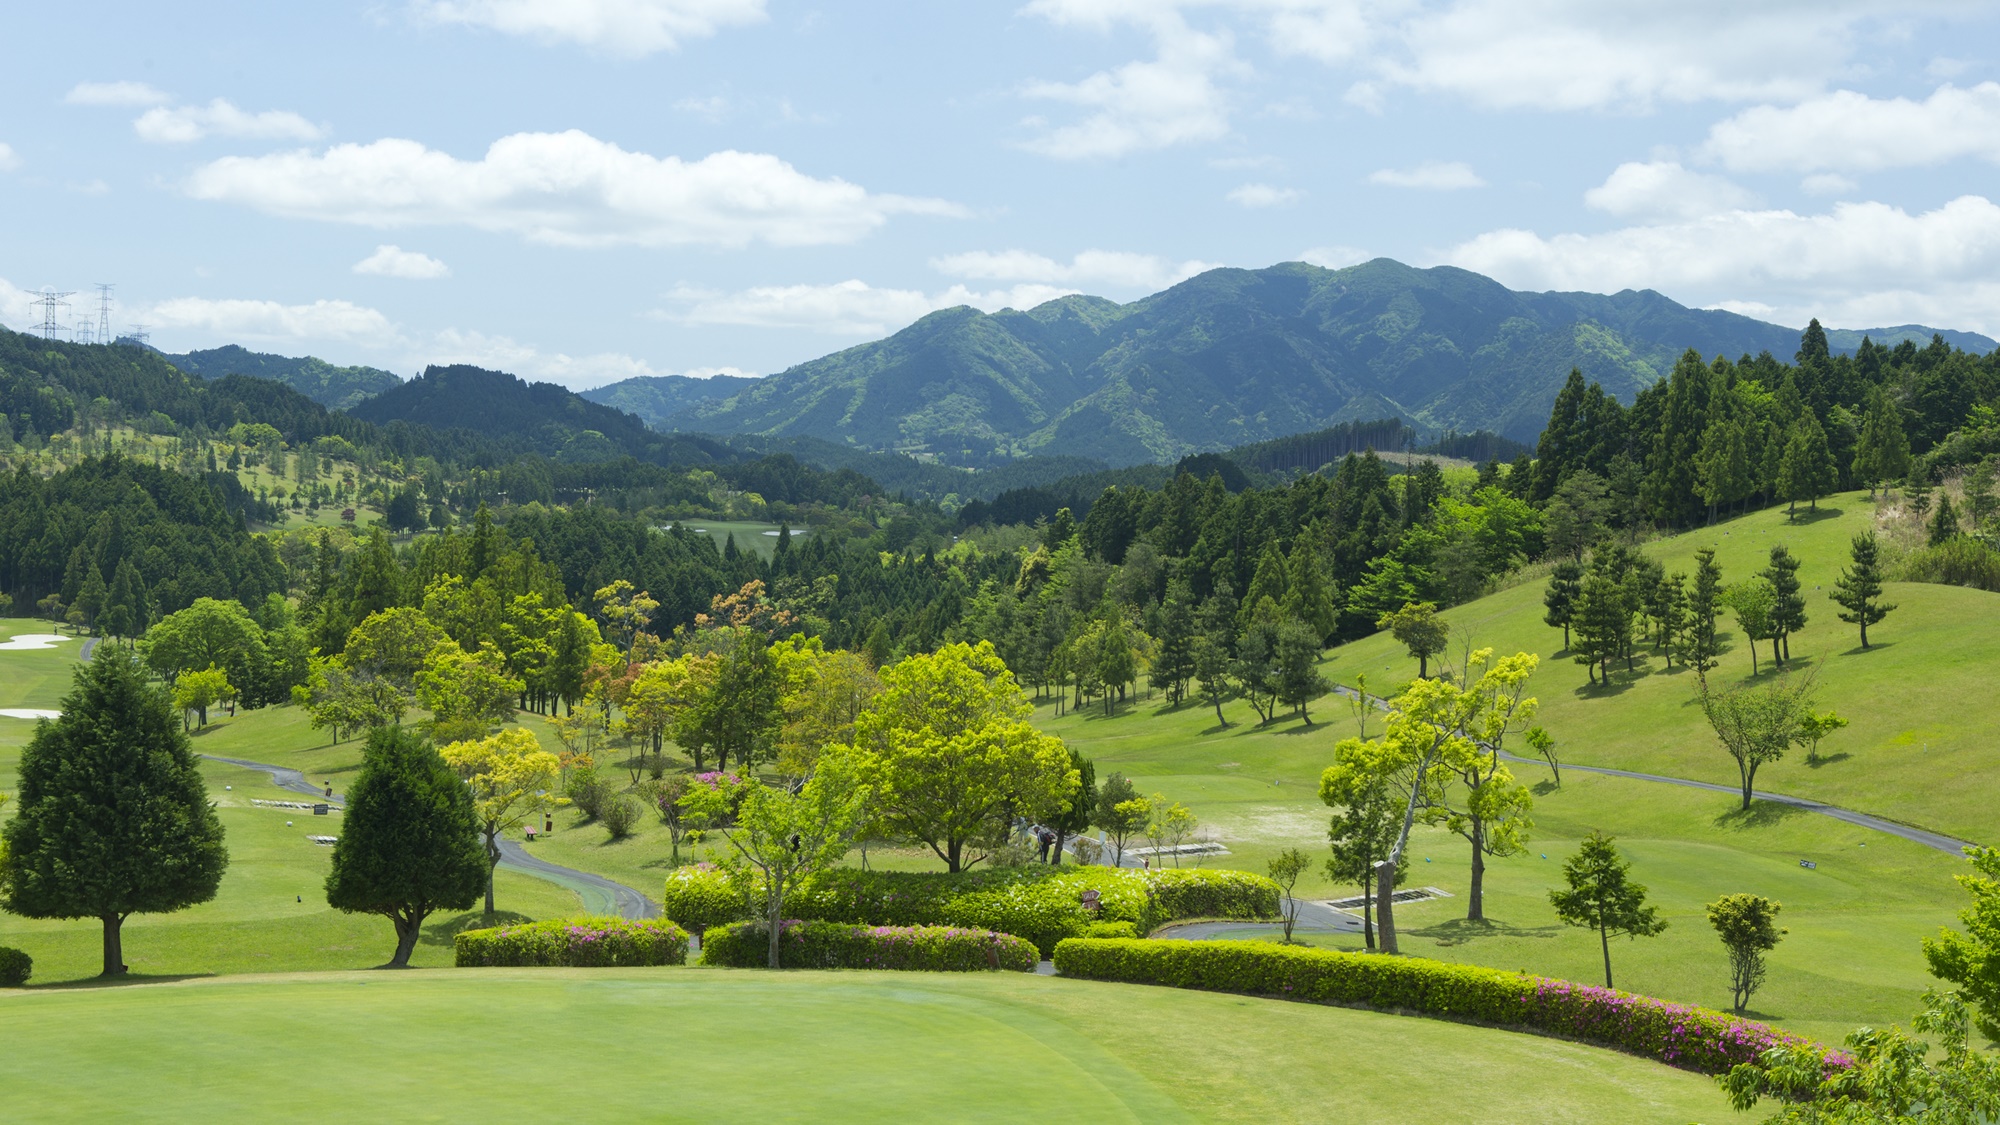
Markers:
834,945
701,895
1680,1035
579,943
1040,903
15,967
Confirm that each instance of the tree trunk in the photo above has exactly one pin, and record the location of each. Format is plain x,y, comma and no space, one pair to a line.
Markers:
114,945
1219,720
1604,939
1749,774
1368,914
777,892
953,850
1864,625
407,930
1423,666
1385,904
1753,654
492,866
1475,899
1055,859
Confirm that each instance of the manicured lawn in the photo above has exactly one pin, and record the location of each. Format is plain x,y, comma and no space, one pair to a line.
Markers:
750,536
689,1044
1916,699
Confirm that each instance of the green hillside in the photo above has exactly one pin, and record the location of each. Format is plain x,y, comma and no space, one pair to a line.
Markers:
656,398
333,387
1227,358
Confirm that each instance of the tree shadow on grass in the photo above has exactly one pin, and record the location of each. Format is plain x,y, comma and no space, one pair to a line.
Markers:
1458,931
1827,759
444,930
1800,519
1760,814
128,980
1874,646
1619,685
1544,787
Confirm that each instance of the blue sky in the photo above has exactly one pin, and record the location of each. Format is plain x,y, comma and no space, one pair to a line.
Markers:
586,190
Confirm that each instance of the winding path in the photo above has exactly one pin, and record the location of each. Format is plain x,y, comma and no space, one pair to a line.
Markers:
1948,844
599,895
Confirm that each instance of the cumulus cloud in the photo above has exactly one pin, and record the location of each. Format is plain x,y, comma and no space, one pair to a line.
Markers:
9,160
1827,183
1662,189
16,306
1857,263
232,319
503,353
567,189
1431,175
1845,131
219,118
1263,195
847,308
128,94
622,27
1114,268
1169,100
394,261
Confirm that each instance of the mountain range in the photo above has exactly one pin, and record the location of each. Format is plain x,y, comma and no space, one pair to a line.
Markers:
1229,357
335,388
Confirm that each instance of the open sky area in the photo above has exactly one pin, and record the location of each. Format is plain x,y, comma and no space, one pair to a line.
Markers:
584,190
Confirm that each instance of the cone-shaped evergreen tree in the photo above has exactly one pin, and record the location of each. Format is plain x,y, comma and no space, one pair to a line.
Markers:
114,819
409,842
1310,597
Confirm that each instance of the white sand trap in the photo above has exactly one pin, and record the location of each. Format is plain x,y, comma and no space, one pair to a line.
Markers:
32,640
28,713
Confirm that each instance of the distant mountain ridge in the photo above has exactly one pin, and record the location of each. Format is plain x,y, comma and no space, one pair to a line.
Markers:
335,388
656,398
1224,359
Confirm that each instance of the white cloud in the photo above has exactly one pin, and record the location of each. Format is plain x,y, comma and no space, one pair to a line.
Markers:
710,109
114,93
1431,175
394,261
1115,268
711,372
1662,189
182,124
567,189
503,353
1862,264
1334,257
1263,195
1827,183
269,320
623,27
1172,99
9,160
848,308
1851,132
16,306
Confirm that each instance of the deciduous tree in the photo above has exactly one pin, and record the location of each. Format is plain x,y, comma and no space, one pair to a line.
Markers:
1418,628
1748,927
513,781
1971,959
1601,896
786,836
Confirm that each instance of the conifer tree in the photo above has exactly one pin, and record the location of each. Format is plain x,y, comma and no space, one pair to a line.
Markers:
1699,645
1860,586
1944,521
1174,663
1806,471
1788,606
1722,469
1882,451
1310,597
114,818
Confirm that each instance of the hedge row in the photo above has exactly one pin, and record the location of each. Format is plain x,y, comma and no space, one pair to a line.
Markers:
833,945
581,943
1040,903
1678,1034
15,967
700,895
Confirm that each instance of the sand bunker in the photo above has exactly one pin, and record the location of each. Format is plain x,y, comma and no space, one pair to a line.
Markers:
32,640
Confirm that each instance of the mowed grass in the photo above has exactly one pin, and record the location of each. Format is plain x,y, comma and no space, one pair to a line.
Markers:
691,1044
1856,920
270,912
750,535
1924,747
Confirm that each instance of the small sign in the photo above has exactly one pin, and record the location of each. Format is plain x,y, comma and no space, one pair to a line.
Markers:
1809,865
1090,900
319,810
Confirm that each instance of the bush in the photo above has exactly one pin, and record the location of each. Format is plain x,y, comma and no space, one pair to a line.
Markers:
701,895
1040,903
1681,1035
834,945
1960,561
1110,930
15,967
579,943
620,815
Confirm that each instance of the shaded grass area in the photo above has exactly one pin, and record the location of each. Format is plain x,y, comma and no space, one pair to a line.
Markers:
1914,698
799,1046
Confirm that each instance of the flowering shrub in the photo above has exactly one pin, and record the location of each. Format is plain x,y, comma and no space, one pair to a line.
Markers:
833,945
701,895
1040,903
583,943
15,968
1681,1035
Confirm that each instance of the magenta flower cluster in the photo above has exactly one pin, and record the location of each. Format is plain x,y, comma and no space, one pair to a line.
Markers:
575,943
836,945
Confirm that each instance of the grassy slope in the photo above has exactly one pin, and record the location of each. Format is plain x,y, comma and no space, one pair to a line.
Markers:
1913,697
792,1047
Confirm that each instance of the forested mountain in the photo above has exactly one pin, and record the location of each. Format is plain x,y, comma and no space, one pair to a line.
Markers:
656,398
335,388
1233,357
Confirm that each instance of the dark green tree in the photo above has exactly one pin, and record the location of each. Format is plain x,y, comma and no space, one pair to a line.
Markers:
1565,586
1601,896
1806,471
409,842
114,818
1944,522
1298,680
1362,833
1859,589
1788,605
1698,644
1174,663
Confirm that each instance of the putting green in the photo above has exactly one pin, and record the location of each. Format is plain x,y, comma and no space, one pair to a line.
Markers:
715,1045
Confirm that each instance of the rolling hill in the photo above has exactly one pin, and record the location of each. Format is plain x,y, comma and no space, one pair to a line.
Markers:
1223,359
335,388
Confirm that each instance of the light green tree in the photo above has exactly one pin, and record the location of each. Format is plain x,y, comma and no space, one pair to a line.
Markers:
1601,896
1748,927
513,781
785,836
1971,959
198,691
1418,627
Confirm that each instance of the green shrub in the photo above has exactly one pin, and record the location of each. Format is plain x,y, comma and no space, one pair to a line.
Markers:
1110,930
15,967
701,895
582,943
1678,1034
835,945
619,814
1960,561
1040,903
